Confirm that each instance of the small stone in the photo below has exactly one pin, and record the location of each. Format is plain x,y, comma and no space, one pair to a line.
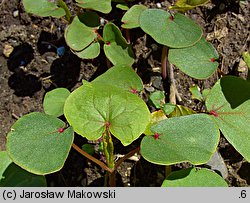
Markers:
158,5
7,50
242,66
102,21
149,88
15,13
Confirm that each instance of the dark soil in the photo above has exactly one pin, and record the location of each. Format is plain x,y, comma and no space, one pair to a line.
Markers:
33,68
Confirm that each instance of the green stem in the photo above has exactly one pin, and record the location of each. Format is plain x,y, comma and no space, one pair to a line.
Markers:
108,148
64,6
168,170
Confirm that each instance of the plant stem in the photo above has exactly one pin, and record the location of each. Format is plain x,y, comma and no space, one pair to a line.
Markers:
64,6
127,33
104,166
168,170
108,148
131,153
164,62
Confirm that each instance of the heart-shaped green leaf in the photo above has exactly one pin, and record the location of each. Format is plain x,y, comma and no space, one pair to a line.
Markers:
191,138
229,105
92,106
197,61
123,77
43,8
176,31
54,100
103,6
131,17
116,48
36,144
191,177
92,51
78,36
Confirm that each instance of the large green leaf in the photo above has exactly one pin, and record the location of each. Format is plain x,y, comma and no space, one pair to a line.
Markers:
131,17
78,36
229,105
123,77
103,6
90,107
191,138
43,8
5,161
54,100
176,31
37,144
116,48
14,176
197,61
191,177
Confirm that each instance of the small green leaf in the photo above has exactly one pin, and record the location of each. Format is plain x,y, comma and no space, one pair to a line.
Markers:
54,101
103,6
181,111
168,108
78,36
176,31
116,48
158,99
35,143
229,105
246,57
131,17
191,177
14,176
184,5
191,138
198,61
122,1
156,116
121,76
90,107
205,92
90,52
89,148
123,7
196,94
43,8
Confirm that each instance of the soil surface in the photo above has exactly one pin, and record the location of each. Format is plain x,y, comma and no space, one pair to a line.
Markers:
34,67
